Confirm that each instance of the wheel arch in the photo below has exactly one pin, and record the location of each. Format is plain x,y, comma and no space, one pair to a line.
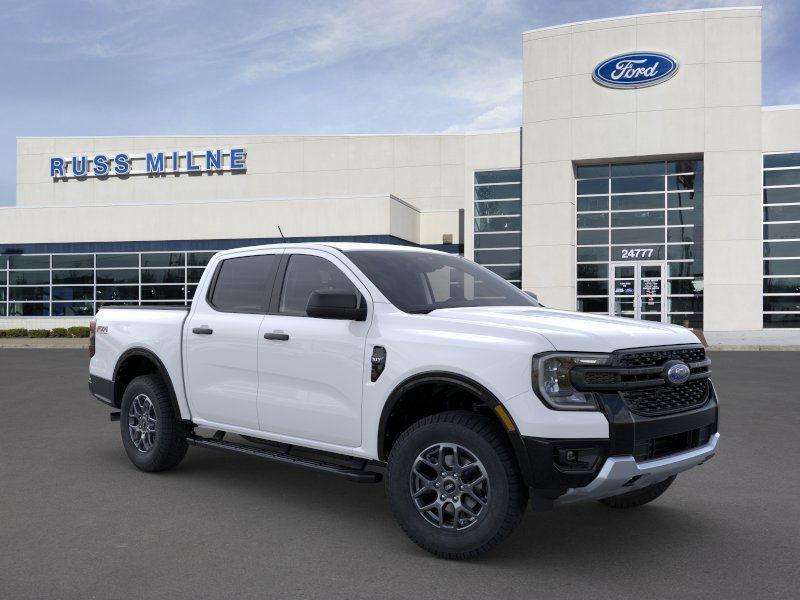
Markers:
453,381
140,361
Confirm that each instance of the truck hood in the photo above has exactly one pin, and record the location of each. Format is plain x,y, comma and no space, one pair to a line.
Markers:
573,331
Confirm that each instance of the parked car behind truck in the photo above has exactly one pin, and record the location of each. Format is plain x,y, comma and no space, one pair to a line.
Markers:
352,358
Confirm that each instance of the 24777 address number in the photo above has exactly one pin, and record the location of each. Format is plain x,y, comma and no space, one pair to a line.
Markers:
637,253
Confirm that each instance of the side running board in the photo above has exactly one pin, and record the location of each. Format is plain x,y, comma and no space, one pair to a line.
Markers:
283,456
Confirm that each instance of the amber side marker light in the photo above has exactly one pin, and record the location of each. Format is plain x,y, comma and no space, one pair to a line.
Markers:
505,418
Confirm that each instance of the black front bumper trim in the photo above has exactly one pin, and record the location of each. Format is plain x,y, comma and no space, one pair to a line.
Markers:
627,431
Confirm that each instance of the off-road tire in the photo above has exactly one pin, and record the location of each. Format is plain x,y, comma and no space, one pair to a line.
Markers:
507,497
169,444
639,497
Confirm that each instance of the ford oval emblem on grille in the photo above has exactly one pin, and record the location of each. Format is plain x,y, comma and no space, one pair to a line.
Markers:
676,372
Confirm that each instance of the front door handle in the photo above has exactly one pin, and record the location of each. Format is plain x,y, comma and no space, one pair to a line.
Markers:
276,336
202,331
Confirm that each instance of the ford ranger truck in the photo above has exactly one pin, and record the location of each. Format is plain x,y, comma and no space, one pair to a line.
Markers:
360,360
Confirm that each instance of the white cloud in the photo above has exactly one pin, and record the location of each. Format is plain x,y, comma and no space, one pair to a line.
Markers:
497,117
334,34
490,90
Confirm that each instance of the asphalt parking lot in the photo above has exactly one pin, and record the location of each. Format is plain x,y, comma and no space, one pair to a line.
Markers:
77,520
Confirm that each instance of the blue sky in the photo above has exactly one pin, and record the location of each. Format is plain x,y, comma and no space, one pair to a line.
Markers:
154,67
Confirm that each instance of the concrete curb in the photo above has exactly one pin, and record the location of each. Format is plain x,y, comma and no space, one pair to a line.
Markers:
752,348
49,343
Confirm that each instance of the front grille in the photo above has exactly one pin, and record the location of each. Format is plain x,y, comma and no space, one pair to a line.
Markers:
655,358
667,399
601,378
639,376
671,444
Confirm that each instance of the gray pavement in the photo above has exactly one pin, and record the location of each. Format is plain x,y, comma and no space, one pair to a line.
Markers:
77,520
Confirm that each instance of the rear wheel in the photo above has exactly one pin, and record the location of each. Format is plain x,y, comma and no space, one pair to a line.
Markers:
454,486
154,439
639,497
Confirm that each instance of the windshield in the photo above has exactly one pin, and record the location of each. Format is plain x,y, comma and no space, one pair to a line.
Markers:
419,282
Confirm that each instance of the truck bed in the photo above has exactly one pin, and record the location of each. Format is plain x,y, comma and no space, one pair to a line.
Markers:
154,330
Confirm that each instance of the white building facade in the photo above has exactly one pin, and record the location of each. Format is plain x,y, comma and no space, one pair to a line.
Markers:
646,180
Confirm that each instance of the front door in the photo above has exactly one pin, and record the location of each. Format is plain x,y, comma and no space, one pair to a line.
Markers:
637,290
311,370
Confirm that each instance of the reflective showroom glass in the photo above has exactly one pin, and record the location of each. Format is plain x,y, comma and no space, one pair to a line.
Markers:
648,214
37,285
781,245
497,223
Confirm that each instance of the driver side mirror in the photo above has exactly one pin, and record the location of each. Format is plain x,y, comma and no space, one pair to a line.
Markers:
336,304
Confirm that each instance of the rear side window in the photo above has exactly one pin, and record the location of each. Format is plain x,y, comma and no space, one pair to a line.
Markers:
306,274
243,285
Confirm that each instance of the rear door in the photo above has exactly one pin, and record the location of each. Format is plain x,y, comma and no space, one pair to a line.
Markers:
221,353
311,370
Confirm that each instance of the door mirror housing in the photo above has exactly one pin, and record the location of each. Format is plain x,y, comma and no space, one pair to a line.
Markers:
336,304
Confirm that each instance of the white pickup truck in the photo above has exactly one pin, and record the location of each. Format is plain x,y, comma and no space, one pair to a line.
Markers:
355,359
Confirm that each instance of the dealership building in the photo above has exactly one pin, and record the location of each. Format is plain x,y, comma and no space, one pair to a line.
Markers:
645,180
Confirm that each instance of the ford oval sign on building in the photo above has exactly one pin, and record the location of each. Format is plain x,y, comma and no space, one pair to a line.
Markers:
635,70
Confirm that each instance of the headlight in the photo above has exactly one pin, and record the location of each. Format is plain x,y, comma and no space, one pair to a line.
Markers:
550,376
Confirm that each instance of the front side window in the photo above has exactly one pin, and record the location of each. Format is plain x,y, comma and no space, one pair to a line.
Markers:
419,282
306,274
244,284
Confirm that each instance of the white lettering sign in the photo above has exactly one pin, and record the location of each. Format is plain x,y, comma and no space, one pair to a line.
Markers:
626,69
637,252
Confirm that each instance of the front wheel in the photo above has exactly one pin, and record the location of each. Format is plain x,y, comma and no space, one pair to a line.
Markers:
454,486
154,439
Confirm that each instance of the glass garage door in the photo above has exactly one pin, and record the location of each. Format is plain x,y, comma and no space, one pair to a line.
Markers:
641,224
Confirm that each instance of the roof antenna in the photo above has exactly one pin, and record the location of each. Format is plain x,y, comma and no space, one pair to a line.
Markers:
283,237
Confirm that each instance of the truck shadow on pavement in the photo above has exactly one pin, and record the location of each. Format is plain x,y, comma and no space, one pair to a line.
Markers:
561,538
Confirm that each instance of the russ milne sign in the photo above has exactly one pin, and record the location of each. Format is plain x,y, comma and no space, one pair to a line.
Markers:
151,163
635,70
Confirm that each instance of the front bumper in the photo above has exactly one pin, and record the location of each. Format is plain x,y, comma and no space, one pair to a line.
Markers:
622,474
653,447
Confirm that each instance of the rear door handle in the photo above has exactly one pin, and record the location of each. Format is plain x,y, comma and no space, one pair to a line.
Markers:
202,331
276,336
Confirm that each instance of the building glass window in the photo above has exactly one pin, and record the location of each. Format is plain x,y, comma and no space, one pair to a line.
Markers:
164,259
73,261
77,285
497,224
640,240
110,261
781,246
29,261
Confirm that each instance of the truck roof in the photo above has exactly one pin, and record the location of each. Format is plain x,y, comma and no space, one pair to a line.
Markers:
341,246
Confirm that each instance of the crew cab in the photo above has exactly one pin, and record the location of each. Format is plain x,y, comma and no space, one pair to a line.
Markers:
365,360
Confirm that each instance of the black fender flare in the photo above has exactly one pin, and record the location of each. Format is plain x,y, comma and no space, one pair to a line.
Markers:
468,385
160,368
